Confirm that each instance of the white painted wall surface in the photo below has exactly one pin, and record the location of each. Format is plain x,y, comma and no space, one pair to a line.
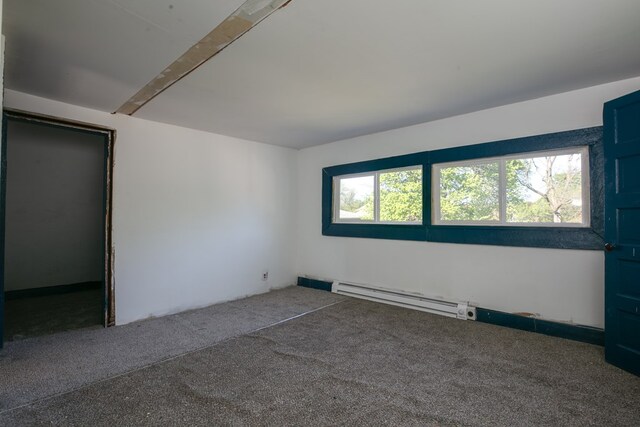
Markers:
564,285
54,207
197,216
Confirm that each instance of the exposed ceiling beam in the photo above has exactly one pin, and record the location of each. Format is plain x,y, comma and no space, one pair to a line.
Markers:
247,16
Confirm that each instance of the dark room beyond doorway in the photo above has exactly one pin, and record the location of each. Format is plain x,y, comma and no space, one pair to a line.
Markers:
56,227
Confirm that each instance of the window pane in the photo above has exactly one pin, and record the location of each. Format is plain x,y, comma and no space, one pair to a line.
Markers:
401,196
470,193
356,198
545,189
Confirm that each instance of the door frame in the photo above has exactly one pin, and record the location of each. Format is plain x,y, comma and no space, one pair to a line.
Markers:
109,136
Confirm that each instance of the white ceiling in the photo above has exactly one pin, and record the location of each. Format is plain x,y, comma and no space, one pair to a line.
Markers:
319,70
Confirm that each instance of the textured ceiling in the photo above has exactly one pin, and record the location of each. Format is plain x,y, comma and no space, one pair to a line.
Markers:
319,71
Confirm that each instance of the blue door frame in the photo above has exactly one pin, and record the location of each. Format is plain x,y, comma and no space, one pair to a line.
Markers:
109,140
3,199
622,232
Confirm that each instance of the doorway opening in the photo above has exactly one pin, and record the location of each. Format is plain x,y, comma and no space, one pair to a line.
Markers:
55,226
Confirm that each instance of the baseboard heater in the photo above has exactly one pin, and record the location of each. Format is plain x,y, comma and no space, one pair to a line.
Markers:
456,310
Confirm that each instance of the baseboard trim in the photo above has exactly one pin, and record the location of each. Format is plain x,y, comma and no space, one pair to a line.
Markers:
51,290
580,333
314,284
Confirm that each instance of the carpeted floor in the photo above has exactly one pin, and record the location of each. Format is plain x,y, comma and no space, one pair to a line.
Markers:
41,315
355,362
34,368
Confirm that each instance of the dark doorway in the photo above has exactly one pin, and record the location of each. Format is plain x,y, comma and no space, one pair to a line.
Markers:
56,226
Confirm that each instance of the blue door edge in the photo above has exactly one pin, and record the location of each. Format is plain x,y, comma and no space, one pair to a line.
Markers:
617,353
3,199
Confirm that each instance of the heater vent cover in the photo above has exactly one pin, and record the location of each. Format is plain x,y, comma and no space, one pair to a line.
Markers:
417,302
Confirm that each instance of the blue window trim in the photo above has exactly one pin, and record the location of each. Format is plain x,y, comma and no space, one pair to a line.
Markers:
544,237
375,231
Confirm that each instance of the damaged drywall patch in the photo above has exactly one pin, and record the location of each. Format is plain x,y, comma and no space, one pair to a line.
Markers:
247,16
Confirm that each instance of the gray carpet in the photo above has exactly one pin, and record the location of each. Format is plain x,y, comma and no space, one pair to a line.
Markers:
361,363
34,368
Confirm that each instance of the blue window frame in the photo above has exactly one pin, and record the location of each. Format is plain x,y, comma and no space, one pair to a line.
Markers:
587,237
411,231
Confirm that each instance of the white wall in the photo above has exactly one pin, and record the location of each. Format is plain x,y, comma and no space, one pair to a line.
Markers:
565,285
54,207
197,217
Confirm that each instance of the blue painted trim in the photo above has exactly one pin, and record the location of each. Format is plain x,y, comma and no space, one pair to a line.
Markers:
376,231
556,329
544,237
3,198
619,312
314,284
549,141
534,237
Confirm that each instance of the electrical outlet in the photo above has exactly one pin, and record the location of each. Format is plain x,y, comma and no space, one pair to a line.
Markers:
265,276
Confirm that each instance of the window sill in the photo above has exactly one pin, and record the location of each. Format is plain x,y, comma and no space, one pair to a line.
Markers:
537,237
377,231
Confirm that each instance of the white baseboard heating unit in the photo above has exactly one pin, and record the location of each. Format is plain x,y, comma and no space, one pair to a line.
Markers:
417,302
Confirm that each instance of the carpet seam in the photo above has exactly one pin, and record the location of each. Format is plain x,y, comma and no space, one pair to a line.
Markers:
168,359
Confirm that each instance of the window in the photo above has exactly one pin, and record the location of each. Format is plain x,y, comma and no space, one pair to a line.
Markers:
392,196
541,191
353,198
548,188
